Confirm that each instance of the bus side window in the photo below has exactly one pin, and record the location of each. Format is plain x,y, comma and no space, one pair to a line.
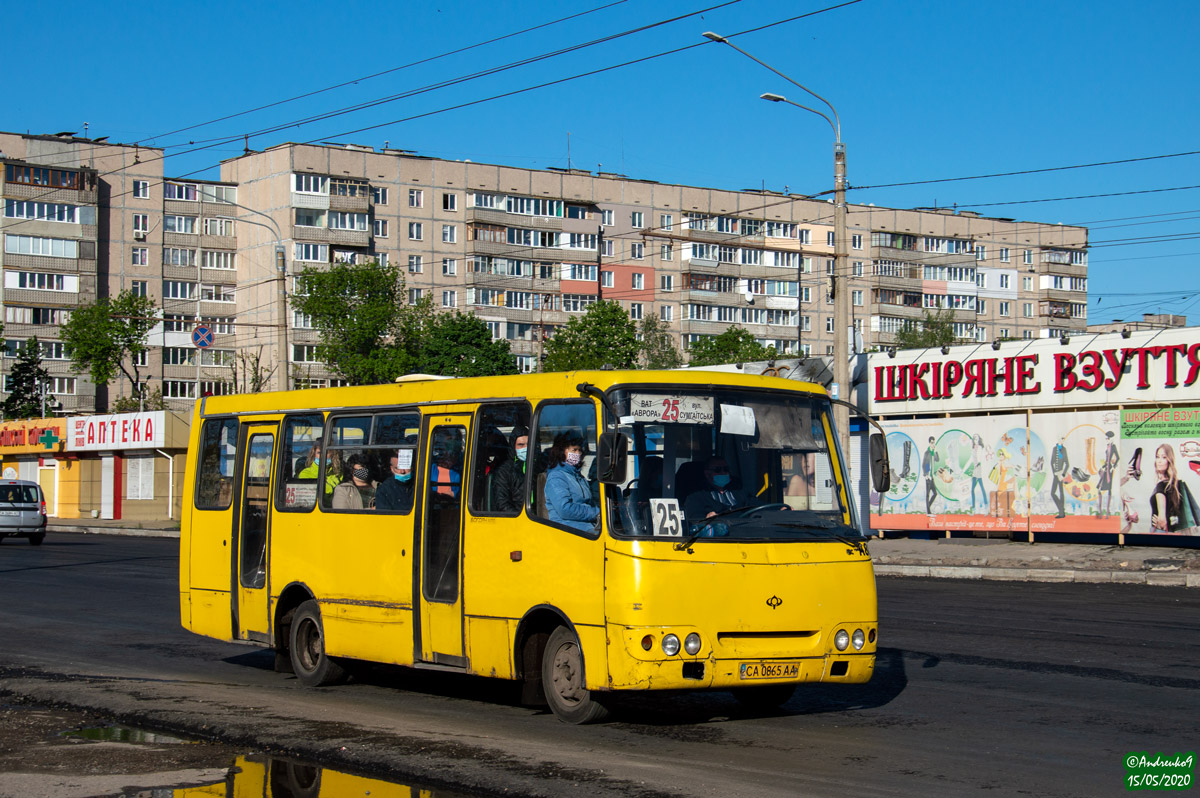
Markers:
299,463
565,494
218,452
500,482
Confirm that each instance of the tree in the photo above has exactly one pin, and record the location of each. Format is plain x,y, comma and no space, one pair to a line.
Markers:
936,329
108,336
153,400
604,336
27,380
460,345
658,346
368,332
735,345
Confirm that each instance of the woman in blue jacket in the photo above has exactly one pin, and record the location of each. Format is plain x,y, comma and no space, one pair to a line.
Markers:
568,495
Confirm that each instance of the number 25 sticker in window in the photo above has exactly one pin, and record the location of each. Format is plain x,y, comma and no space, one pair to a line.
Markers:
668,518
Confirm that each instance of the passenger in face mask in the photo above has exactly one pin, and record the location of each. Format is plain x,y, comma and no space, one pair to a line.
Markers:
718,498
508,483
568,495
357,492
396,494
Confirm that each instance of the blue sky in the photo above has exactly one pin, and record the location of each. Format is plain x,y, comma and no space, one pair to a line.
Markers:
925,90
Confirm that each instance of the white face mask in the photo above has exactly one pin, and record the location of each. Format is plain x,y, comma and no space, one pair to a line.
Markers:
573,458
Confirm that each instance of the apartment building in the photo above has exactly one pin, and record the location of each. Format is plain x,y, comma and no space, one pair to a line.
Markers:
523,249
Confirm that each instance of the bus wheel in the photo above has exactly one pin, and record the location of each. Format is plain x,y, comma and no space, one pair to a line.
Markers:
766,698
562,680
36,539
313,667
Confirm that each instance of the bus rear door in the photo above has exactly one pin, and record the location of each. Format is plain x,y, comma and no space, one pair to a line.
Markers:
439,593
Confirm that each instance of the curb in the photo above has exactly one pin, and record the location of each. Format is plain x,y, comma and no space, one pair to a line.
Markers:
1040,575
107,530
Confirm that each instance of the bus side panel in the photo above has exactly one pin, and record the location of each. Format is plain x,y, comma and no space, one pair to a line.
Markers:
514,565
210,613
359,568
488,643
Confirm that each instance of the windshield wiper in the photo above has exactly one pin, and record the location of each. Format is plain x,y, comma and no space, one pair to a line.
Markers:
822,524
704,524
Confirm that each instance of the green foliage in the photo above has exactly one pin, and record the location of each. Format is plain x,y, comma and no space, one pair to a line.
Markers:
735,345
106,336
460,345
26,381
368,332
603,336
658,346
936,329
131,404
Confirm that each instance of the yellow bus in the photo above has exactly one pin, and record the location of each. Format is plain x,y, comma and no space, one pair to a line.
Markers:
583,533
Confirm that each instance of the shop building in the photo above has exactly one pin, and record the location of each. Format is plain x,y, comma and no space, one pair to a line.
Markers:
33,450
1082,434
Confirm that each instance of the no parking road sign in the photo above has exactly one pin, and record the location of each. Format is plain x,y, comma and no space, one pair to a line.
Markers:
202,336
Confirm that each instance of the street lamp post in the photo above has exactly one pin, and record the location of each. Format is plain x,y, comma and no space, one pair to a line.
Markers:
837,282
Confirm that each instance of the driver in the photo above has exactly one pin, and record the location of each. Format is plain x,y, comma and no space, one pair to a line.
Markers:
717,497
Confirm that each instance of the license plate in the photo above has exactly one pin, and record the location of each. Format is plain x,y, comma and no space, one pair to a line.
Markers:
10,512
770,670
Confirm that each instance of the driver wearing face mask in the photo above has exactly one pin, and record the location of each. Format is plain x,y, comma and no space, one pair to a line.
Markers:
396,494
717,497
508,484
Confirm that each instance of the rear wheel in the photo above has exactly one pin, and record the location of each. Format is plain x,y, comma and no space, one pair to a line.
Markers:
765,698
36,539
313,667
562,680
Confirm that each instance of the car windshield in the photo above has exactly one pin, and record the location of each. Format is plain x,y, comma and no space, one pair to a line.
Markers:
727,464
18,494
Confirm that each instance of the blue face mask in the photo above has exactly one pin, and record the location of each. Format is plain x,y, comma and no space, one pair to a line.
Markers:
404,477
721,480
521,454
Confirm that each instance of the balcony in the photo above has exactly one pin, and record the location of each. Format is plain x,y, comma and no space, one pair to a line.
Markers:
516,251
185,208
66,196
305,233
495,216
358,204
350,238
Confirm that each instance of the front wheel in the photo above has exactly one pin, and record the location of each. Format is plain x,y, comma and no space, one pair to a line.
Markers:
312,666
562,680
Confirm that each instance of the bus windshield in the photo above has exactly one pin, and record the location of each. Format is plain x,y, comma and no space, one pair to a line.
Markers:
728,464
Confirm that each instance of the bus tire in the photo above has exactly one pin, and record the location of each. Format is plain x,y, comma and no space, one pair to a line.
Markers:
766,698
562,680
312,666
37,538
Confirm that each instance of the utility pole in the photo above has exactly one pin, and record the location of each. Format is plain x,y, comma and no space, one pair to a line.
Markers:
600,263
841,299
281,267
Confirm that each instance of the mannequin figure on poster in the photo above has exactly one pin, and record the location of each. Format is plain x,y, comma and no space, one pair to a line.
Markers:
1060,464
978,454
929,467
1108,469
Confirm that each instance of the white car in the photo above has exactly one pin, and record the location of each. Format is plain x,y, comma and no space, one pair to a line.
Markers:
22,510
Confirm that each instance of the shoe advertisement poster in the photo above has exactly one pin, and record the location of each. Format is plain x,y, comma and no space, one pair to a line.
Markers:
1158,478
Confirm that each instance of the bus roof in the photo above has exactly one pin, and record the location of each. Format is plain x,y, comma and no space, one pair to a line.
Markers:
477,389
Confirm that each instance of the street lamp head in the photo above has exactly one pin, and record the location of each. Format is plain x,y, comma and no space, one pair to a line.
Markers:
716,37
775,98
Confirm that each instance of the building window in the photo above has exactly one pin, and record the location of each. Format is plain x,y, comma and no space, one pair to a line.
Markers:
980,252
449,266
216,293
637,250
1027,310
174,256
856,298
608,247
185,192
141,223
666,282
1004,309
141,189
312,253
212,259
666,312
1004,281
667,252
304,353
449,234
981,306
379,195
141,256
637,219
1004,255
380,228
856,241
1027,256
415,264
415,231
179,224
311,184
226,195
218,227
414,295
301,321
449,299
179,289
606,279
416,198
635,311
639,281
139,287
179,389
665,222
1026,283
449,202
606,218
343,220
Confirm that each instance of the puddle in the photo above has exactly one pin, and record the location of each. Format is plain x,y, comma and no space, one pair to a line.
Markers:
123,734
268,777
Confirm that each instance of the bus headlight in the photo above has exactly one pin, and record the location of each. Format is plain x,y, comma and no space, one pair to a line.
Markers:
670,645
691,643
841,639
858,639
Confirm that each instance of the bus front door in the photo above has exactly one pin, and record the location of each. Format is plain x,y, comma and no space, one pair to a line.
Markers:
440,583
253,519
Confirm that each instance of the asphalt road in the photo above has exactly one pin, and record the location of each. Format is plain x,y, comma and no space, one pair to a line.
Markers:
981,687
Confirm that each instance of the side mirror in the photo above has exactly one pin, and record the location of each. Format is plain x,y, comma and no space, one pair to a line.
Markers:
612,454
881,470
